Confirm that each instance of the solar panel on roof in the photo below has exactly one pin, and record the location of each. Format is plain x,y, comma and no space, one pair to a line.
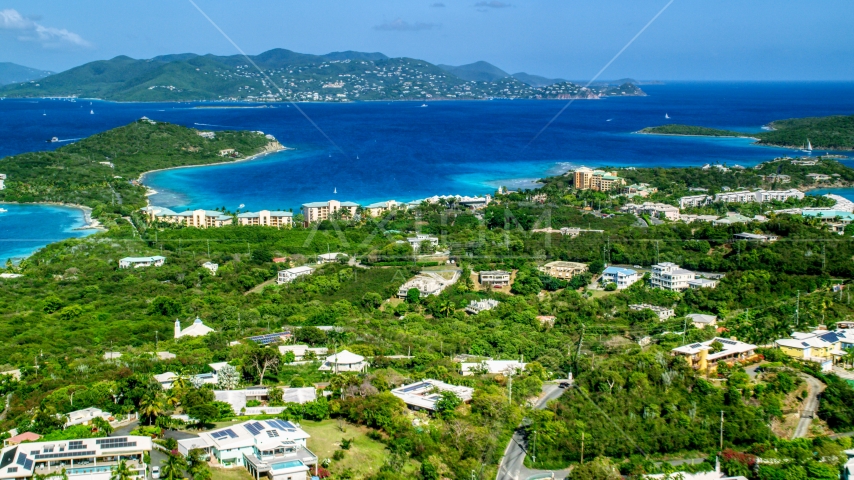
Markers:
29,465
252,429
22,458
696,345
728,342
272,433
268,338
259,426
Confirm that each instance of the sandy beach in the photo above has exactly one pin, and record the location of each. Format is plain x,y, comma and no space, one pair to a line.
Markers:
272,147
91,223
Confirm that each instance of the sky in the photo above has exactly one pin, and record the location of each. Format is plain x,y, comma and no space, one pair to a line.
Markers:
757,40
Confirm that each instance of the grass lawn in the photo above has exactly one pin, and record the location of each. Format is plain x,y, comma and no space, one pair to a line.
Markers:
365,456
235,473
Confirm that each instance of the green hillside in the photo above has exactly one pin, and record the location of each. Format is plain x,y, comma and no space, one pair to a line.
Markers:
287,76
98,170
13,73
831,133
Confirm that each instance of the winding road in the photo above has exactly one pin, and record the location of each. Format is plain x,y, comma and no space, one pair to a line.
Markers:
512,466
810,405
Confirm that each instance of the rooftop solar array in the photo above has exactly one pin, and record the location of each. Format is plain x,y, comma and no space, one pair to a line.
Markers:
224,433
254,428
268,338
76,445
117,442
728,342
45,456
696,345
282,424
22,459
272,433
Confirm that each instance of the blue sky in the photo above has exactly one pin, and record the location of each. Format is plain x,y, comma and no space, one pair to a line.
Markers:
691,40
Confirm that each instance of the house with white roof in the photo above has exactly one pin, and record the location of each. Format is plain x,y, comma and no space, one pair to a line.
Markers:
330,257
754,237
819,346
344,361
165,379
669,276
427,283
700,320
702,356
416,241
494,278
86,415
85,458
211,267
197,329
425,394
238,398
139,262
623,277
266,218
300,351
267,448
476,306
291,274
492,367
663,313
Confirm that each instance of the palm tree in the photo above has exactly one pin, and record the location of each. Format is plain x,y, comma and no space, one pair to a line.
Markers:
197,465
174,467
102,425
121,472
447,308
151,407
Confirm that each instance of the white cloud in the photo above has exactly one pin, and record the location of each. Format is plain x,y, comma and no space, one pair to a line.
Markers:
29,31
400,25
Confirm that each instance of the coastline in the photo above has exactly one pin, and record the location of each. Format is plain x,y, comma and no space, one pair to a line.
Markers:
705,136
280,148
90,223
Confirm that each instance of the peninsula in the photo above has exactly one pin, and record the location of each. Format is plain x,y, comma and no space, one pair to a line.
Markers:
830,133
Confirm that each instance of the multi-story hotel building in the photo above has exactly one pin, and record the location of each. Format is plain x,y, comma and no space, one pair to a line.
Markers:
319,211
88,458
379,208
588,179
741,196
266,218
191,218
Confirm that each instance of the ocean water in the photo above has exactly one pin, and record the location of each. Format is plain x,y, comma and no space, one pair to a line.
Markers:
378,151
26,228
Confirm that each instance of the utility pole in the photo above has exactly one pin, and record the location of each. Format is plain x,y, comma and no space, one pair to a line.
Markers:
156,338
722,429
797,309
684,329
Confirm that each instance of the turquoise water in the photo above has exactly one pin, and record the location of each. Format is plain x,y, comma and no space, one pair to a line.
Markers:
842,192
284,465
27,228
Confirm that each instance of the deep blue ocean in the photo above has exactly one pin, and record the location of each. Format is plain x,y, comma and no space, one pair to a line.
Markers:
379,151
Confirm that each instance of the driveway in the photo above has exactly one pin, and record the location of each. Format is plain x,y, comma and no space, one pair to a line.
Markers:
512,466
810,405
158,457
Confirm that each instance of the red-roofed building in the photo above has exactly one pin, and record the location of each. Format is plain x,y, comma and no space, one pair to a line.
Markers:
22,437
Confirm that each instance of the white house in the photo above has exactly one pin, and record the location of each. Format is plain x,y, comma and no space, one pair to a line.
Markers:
494,278
85,458
300,351
623,277
700,320
427,283
425,394
476,306
291,274
86,415
344,361
669,276
492,367
139,262
238,398
418,239
663,313
212,267
197,329
267,448
329,257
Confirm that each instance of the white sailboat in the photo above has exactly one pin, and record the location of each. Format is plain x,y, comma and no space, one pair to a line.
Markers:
666,116
335,190
91,112
809,145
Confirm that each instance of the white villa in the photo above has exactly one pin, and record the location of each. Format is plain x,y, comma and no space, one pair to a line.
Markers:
86,458
494,278
425,394
300,351
622,277
197,329
427,283
275,449
476,306
329,257
238,398
212,267
670,276
2,181
344,361
139,262
492,367
741,196
86,415
416,241
266,218
563,270
658,210
291,274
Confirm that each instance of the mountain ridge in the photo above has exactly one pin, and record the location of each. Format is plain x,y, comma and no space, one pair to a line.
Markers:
14,73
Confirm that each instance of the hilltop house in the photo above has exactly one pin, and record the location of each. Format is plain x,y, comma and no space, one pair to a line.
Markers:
344,361
700,320
425,394
702,356
139,262
427,283
197,329
563,270
476,306
622,277
291,274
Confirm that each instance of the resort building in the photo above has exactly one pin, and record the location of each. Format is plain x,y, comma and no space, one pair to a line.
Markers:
777,177
416,241
344,361
663,313
701,356
301,351
639,190
86,458
2,181
275,449
657,210
197,329
694,201
494,278
191,218
380,208
266,218
669,276
291,274
319,211
425,394
139,262
211,267
588,179
427,283
563,270
85,416
701,320
623,277
759,196
476,306
492,367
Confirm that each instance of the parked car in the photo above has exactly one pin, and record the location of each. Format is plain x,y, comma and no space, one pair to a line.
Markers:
155,472
564,385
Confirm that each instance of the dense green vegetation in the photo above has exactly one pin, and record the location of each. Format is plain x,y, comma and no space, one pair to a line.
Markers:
74,173
340,76
832,133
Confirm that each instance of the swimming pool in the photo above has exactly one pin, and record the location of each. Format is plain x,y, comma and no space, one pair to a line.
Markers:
284,465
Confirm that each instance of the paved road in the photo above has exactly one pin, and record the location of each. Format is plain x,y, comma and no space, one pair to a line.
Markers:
6,408
512,466
810,406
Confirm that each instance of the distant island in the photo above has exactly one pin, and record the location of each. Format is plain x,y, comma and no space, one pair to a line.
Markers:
291,76
829,133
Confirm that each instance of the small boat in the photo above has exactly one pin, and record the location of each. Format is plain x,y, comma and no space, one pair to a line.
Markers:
357,157
609,120
241,205
3,210
423,105
44,113
335,190
666,116
91,112
53,140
